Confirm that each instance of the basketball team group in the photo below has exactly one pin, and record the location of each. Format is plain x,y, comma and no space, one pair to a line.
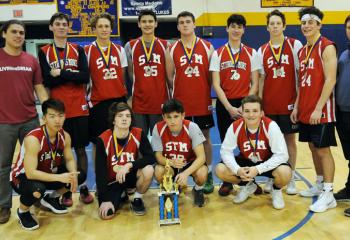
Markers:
264,98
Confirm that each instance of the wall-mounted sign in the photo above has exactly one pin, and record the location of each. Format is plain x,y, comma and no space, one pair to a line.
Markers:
133,7
16,2
286,3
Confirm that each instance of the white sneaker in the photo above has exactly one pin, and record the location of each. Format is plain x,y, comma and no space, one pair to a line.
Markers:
325,201
291,188
277,199
315,190
245,192
268,185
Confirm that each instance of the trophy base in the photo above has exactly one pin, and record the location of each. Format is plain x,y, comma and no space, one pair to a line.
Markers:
166,222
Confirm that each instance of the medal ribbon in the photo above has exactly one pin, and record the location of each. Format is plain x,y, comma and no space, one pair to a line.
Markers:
277,56
115,141
308,54
254,146
189,54
144,48
230,53
53,153
106,58
57,55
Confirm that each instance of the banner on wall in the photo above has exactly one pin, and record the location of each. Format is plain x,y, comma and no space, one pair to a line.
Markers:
286,3
133,7
80,13
16,2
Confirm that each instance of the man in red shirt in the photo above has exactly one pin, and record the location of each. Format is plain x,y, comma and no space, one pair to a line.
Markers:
187,64
20,76
66,73
314,106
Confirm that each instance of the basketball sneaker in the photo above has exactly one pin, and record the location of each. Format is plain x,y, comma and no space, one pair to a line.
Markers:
347,212
245,191
277,198
291,188
198,197
85,196
313,191
268,185
138,207
208,186
325,201
67,199
343,195
225,189
27,221
53,204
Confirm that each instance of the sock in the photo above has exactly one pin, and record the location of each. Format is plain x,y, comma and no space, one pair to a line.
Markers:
123,194
328,187
319,179
293,174
137,195
22,211
196,187
275,187
54,194
210,168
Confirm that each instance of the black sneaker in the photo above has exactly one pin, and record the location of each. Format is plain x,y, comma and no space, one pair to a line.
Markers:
124,197
53,204
342,196
347,212
138,207
198,197
225,189
27,221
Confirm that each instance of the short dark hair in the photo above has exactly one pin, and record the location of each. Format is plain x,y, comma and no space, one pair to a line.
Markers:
105,15
117,108
173,105
54,104
8,23
236,18
59,15
276,13
310,10
147,12
347,19
252,99
185,14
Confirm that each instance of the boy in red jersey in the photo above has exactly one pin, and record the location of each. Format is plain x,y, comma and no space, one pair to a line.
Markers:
314,106
278,81
45,162
107,63
262,152
124,159
234,69
181,142
146,68
66,73
187,65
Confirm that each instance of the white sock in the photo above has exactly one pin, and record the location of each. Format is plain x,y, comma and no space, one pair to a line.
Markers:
210,168
293,174
328,187
22,211
137,195
54,194
196,187
319,179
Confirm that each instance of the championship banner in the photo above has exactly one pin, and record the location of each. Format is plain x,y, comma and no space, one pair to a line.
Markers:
133,7
286,3
16,2
80,13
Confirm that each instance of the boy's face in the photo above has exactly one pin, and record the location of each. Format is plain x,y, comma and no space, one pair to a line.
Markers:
174,121
235,31
103,29
147,24
122,120
275,26
14,36
186,25
252,114
59,28
310,27
54,120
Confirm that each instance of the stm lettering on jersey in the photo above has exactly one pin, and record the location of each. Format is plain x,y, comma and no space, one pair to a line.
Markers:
155,59
67,63
247,146
125,157
176,146
229,64
197,59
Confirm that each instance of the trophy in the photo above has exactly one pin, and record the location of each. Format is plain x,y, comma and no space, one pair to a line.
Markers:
168,199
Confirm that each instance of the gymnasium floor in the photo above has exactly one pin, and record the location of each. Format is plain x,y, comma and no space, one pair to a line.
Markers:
218,219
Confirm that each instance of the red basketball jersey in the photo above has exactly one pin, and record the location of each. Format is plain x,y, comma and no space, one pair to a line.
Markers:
105,83
279,92
311,82
246,146
235,87
72,95
149,90
128,154
191,83
45,161
176,147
